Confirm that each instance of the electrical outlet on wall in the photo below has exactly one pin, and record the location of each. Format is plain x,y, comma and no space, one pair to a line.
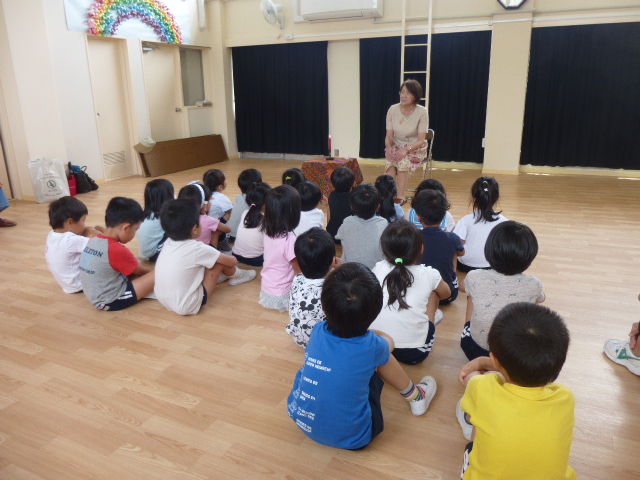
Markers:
336,152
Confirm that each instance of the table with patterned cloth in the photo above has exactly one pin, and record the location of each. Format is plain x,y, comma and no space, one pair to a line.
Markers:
319,170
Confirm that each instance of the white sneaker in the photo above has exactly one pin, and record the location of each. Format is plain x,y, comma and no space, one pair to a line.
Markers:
620,352
467,428
428,387
243,276
439,317
222,278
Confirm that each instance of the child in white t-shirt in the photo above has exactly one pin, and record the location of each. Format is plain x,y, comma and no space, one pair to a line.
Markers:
310,215
187,270
411,293
249,245
66,242
246,179
221,207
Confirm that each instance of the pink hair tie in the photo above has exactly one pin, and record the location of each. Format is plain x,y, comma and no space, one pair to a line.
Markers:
253,205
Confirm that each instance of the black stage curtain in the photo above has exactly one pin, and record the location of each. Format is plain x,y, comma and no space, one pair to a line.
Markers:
282,98
458,95
583,100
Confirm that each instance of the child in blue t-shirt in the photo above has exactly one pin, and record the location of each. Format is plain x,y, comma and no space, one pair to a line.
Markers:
336,394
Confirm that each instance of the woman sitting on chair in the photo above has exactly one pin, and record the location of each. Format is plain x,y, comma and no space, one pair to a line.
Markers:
407,124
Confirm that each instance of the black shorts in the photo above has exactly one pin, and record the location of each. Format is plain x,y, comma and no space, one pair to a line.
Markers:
413,356
469,346
125,300
375,391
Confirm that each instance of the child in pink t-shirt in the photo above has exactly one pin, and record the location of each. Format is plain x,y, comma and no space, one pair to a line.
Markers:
212,228
281,217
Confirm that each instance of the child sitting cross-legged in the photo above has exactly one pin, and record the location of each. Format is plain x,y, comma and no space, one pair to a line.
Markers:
67,240
360,233
247,177
342,179
519,421
510,249
440,248
411,293
310,215
211,227
336,394
111,276
316,255
187,270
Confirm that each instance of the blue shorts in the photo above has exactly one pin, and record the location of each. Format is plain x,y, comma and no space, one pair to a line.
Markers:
125,300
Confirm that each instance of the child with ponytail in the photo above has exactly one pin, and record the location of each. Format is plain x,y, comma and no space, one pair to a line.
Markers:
473,229
411,293
249,245
389,209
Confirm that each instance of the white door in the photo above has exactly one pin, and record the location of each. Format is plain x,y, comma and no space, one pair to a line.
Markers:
163,85
111,100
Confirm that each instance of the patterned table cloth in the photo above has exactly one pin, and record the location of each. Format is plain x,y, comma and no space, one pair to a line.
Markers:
319,170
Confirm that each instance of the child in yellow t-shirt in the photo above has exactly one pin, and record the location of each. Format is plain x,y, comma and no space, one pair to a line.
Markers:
520,423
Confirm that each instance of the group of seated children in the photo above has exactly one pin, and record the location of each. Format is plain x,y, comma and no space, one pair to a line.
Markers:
97,262
380,300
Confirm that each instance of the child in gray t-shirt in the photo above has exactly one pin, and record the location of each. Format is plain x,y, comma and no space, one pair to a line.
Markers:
510,249
360,233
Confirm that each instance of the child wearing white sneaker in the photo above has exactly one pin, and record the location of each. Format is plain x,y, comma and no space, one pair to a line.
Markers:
187,270
626,352
336,394
411,293
520,422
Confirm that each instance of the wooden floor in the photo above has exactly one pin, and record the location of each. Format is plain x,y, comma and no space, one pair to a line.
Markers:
147,394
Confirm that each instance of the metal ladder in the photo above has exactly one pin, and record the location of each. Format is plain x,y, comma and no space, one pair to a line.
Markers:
427,165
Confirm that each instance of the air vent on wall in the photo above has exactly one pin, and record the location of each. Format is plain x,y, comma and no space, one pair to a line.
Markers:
115,158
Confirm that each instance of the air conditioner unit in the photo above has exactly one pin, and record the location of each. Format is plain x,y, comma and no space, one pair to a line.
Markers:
318,10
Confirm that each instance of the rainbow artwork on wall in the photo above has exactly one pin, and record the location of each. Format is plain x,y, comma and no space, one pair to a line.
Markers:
106,16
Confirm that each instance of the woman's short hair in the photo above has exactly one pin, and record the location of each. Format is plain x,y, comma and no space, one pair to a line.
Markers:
414,88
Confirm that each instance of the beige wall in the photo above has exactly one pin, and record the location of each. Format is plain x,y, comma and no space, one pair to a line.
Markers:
47,108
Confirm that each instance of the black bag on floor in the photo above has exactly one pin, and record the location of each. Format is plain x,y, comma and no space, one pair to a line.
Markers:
84,182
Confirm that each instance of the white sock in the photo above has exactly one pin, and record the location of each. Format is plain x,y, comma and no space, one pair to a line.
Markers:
238,273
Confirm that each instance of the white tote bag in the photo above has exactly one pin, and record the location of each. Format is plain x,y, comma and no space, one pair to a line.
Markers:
49,179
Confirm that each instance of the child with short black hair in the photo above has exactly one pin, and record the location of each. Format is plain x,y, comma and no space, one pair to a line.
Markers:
246,178
293,177
360,233
67,240
440,248
310,215
188,270
342,179
336,394
510,249
474,228
281,217
520,422
411,293
211,228
106,264
151,237
221,207
448,223
316,256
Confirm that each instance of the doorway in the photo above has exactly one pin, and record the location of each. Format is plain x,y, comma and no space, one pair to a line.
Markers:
111,99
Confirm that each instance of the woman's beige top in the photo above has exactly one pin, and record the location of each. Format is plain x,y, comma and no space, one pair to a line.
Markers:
406,128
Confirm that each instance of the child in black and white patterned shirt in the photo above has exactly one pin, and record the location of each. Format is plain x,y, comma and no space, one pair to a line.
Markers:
316,255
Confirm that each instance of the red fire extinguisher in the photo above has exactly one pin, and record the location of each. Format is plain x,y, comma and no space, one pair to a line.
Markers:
73,185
